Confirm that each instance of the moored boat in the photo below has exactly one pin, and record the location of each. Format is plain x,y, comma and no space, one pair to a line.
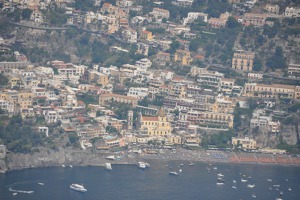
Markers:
173,173
78,187
220,181
141,165
41,183
108,166
221,175
250,185
244,180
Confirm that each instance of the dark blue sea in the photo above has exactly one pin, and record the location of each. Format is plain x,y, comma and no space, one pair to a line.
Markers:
130,182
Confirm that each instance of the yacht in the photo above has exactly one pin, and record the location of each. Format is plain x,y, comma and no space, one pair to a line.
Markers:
220,181
108,166
234,187
253,195
269,180
221,175
15,193
78,187
63,165
71,166
234,181
174,173
141,165
190,163
290,189
41,183
250,186
244,180
180,170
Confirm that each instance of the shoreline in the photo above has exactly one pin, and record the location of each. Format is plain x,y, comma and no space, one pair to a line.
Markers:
85,159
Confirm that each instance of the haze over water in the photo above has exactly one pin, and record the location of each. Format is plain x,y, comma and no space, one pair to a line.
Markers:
129,182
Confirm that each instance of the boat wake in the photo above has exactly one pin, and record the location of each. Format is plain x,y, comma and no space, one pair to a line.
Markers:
21,191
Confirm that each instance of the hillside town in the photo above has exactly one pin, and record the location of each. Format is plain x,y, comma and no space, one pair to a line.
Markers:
165,78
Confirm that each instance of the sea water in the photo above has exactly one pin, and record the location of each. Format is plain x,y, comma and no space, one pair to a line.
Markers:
130,182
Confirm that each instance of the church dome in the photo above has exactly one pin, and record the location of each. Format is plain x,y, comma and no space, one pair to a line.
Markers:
161,113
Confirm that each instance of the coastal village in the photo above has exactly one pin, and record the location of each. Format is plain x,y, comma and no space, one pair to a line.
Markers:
180,91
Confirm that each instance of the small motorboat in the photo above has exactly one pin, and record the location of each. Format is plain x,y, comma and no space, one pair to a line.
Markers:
173,173
234,181
244,180
14,193
41,183
221,175
254,195
250,186
234,187
270,180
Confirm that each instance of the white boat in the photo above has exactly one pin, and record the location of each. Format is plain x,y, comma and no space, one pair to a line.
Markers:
41,183
250,186
234,181
15,193
221,175
63,165
234,187
244,180
71,166
215,168
110,157
290,189
220,181
253,195
180,170
278,198
173,173
108,166
270,180
141,165
78,187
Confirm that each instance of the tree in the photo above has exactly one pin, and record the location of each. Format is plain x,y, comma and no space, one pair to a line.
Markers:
277,60
174,46
26,13
232,22
3,80
257,64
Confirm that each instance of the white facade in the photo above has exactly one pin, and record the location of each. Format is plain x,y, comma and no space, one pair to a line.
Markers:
138,92
143,64
7,106
292,12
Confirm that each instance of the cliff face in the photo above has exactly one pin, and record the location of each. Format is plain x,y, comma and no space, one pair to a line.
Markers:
48,158
289,134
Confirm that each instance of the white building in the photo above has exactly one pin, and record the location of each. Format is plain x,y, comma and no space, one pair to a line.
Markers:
143,64
52,116
292,12
7,106
138,92
192,16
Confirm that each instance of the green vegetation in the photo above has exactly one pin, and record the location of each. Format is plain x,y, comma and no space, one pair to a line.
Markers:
3,81
277,60
220,140
19,137
26,13
156,30
87,98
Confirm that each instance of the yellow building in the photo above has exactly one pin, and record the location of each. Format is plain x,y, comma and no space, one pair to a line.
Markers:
243,61
146,35
156,126
245,143
182,56
98,77
14,81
